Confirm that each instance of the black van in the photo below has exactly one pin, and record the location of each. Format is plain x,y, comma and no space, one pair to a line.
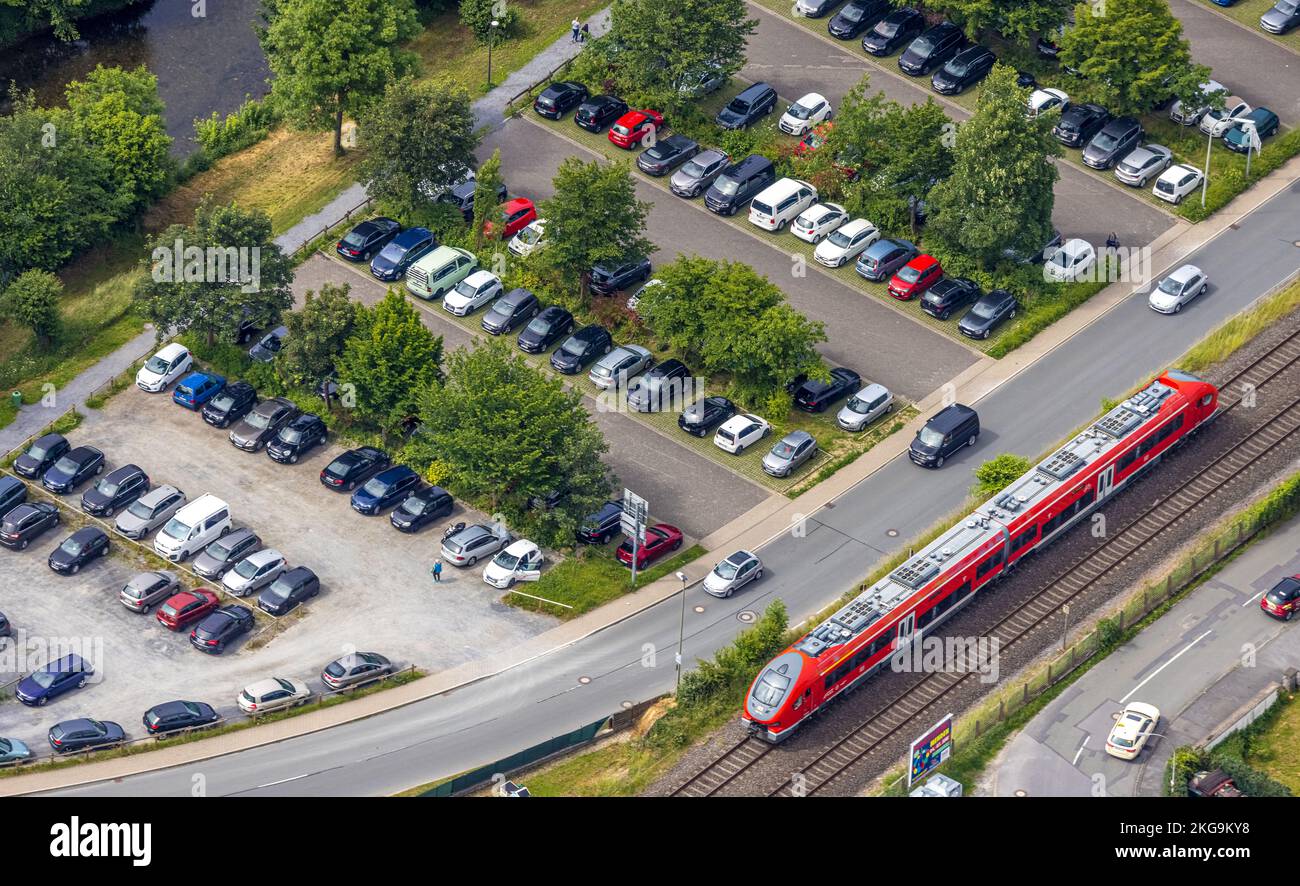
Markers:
747,107
949,430
739,183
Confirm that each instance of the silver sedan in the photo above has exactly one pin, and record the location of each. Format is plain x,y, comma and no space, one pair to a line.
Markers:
733,573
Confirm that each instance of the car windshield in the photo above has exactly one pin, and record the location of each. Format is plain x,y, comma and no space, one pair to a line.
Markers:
291,435
985,310
725,570
1287,7
858,405
246,569
43,679
530,235
1171,286
841,239
107,487
783,450
693,169
223,401
156,365
539,326
176,529
909,274
71,546
921,45
37,452
65,465
393,252
799,112
738,106
1061,258
726,185
466,289
852,13
137,509
930,437
375,487
219,549
574,347
257,420
1105,141
506,560
413,506
885,29
957,69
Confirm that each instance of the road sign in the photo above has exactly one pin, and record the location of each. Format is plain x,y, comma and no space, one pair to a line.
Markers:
636,512
930,750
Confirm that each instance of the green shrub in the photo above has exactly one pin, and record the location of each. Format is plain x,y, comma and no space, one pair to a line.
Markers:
246,126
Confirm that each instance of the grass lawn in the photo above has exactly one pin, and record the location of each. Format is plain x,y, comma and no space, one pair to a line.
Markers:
1272,749
592,578
1248,12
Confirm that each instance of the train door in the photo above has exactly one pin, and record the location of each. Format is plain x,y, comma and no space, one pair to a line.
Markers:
1105,480
905,630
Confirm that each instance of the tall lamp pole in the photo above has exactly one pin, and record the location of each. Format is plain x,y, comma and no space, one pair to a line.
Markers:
681,633
492,38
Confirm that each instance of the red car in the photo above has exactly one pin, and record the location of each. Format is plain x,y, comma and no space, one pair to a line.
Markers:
659,540
915,277
187,607
519,212
1283,599
632,127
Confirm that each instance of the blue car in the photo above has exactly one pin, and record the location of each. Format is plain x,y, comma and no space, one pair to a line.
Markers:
13,751
54,679
1266,124
401,252
197,388
385,490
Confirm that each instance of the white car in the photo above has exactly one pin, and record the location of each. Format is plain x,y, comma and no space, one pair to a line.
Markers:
806,113
164,367
273,694
521,561
1042,100
472,293
1178,289
1133,728
739,432
1177,182
846,243
733,573
1216,122
254,572
1070,262
529,240
817,221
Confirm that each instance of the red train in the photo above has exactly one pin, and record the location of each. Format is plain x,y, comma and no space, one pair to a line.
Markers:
943,576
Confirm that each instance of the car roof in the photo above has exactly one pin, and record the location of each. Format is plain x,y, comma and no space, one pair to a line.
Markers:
950,417
738,422
740,557
794,438
520,547
517,203
856,225
554,312
811,98
594,331
171,351
923,261
871,391
518,294
266,555
479,277
753,91
262,687
1184,273
396,472
412,235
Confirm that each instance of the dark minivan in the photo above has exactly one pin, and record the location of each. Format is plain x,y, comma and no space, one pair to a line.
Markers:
739,183
949,430
931,49
752,103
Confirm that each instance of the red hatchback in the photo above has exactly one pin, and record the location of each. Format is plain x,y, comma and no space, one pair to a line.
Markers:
1283,599
519,214
632,127
915,277
187,607
659,540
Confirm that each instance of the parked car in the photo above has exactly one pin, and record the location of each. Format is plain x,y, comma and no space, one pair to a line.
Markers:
518,214
53,679
660,539
948,295
421,507
1043,100
528,240
664,386
353,468
13,492
817,222
183,609
72,469
667,154
41,456
26,523
864,407
815,396
510,310
221,628
600,527
738,184
262,423
599,111
623,363
705,81
273,694
1190,113
894,31
579,349
1284,16
963,70
1266,124
558,99
13,751
472,293
1142,164
1283,599
1071,262
635,128
79,549
740,432
175,716
225,552
293,587
1133,728
610,277
1177,182
355,669
930,50
145,589
804,114
194,527
197,388
254,572
698,173
520,561
990,311
170,363
856,17
461,197
789,453
469,544
438,272
545,330
705,414
883,258
400,253
1079,123
367,239
915,277
385,489
85,734
1035,256
1112,142
846,243
947,431
116,490
296,438
748,107
1215,122
815,8
230,405
733,573
268,346
1177,289
779,204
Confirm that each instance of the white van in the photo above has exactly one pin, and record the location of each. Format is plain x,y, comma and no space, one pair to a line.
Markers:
200,522
779,204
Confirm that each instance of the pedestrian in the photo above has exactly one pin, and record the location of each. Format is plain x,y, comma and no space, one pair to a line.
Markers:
437,570
1112,242
577,30
586,32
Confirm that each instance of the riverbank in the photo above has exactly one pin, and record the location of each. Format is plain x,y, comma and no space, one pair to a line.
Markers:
18,26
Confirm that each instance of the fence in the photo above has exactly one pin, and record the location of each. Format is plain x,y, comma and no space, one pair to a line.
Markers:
64,417
347,216
511,110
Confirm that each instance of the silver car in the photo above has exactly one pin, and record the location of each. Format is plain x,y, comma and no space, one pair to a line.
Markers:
149,511
1141,165
864,407
615,368
274,694
696,174
794,449
473,543
354,669
733,573
1178,289
225,552
144,590
254,572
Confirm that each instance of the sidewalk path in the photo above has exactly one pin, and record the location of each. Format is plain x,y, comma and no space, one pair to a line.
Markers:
489,113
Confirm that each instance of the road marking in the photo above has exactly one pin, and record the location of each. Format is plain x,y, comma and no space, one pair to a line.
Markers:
271,784
1165,665
1080,753
1254,598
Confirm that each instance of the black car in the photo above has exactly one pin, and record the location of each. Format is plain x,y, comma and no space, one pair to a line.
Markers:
895,30
84,734
987,313
610,277
362,242
13,492
815,396
600,527
1038,256
545,330
79,549
748,107
173,716
269,345
963,70
72,469
461,198
559,98
27,522
581,348
421,508
702,416
947,431
117,490
949,294
1026,80
599,111
667,154
287,591
856,17
934,47
297,437
738,184
1112,142
1079,123
41,455
233,403
509,311
385,489
353,468
218,629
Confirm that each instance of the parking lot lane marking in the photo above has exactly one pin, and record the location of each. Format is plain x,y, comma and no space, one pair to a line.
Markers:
1080,751
1157,671
1254,598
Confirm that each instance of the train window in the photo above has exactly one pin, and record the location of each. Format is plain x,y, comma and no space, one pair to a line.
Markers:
925,618
1024,538
1205,401
988,565
1125,460
961,593
771,687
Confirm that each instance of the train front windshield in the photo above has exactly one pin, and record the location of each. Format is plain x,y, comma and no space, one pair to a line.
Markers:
770,688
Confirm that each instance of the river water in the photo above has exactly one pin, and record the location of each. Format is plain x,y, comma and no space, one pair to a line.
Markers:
203,64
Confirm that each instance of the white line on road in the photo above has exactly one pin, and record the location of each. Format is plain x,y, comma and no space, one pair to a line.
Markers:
1080,753
1165,665
271,784
1253,599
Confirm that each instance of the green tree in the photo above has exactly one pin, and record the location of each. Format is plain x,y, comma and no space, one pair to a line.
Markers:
998,473
32,300
1019,20
504,433
333,57
478,15
391,361
985,207
487,209
318,333
230,269
1132,57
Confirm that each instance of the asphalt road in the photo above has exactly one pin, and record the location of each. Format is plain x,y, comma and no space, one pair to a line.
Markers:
1188,664
543,698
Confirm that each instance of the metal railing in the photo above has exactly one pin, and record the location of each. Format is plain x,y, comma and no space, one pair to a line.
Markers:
347,216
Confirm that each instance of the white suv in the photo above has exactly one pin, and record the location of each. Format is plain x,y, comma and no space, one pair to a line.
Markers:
779,204
203,520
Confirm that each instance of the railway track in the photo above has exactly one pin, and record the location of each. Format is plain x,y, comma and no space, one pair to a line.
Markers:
1224,466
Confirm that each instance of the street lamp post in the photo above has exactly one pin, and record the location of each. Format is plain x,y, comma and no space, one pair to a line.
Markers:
681,633
492,38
